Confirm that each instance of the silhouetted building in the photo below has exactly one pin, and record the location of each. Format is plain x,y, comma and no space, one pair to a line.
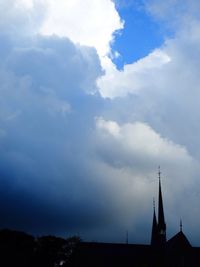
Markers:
176,252
21,249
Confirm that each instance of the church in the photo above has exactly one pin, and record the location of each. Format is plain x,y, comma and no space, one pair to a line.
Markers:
175,252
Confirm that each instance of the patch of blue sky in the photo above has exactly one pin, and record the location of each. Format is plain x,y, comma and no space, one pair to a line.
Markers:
140,36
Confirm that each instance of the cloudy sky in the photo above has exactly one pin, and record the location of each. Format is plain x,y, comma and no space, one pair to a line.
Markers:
94,96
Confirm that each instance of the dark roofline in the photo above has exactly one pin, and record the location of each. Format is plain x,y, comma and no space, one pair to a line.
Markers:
114,244
179,237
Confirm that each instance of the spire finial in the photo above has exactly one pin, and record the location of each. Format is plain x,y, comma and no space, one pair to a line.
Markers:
181,225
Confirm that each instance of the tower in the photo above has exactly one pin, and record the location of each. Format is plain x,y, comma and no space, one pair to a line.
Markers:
161,218
158,236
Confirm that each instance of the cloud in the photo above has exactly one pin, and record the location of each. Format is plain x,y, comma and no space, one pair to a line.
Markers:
41,115
133,77
96,24
137,146
21,17
175,13
163,87
141,139
77,157
56,165
48,101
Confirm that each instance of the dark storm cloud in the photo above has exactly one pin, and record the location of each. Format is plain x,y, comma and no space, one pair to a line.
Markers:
44,108
52,180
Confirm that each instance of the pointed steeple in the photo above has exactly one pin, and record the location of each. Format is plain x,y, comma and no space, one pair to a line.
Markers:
161,218
154,233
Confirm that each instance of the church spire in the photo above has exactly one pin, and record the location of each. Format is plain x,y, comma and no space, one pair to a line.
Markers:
154,233
161,218
158,235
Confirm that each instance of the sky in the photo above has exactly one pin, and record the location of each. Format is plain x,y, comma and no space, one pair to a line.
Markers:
94,96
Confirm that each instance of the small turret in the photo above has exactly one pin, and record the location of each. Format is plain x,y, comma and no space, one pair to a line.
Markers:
154,233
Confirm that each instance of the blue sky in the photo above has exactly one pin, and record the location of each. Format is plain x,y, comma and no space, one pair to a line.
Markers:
81,135
140,36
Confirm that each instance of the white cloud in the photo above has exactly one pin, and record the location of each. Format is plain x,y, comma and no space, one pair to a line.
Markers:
28,4
141,142
134,77
86,22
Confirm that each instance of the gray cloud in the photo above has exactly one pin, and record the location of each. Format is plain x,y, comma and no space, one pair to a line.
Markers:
174,13
44,108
